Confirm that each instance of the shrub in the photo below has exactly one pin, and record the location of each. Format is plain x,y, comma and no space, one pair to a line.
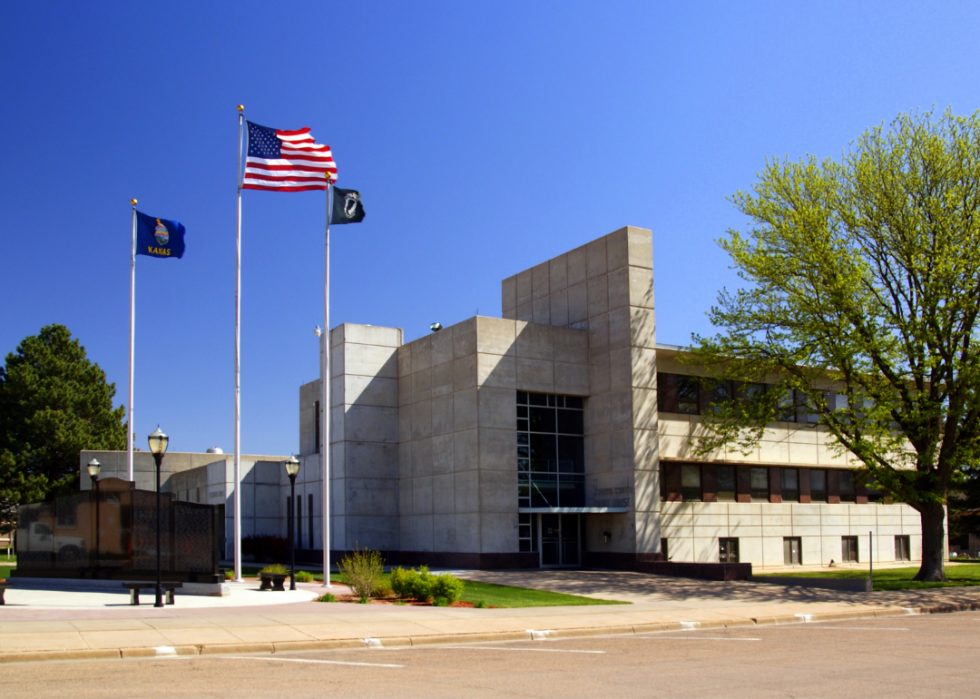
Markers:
480,604
328,597
382,589
229,575
276,569
422,585
413,583
304,576
440,602
362,571
399,582
448,586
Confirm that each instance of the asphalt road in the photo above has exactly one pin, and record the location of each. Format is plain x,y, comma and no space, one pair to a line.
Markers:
914,656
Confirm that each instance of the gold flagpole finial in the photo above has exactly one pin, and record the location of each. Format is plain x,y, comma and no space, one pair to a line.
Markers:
241,107
133,202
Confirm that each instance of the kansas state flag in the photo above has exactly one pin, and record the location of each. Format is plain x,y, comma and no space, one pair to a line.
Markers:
158,237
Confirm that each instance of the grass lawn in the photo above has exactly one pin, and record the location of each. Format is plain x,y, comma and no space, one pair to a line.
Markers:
506,596
492,595
900,578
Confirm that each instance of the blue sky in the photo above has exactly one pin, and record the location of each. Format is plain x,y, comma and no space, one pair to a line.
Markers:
485,137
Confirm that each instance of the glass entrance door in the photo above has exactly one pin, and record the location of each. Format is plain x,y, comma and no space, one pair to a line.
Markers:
560,545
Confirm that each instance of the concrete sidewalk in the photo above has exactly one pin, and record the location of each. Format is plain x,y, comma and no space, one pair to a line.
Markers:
657,604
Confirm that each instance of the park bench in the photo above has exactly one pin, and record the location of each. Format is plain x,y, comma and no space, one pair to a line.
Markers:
4,584
135,587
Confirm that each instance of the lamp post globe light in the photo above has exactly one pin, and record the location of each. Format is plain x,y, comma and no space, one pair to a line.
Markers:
93,467
292,468
158,447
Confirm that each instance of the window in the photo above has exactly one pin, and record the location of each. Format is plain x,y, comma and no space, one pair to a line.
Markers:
316,427
791,550
902,549
849,549
550,450
691,482
309,518
527,532
715,392
726,483
299,521
759,480
847,491
790,482
687,395
818,485
875,491
663,550
728,550
786,407
663,482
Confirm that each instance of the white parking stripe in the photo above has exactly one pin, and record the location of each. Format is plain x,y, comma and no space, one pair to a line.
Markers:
695,638
175,658
814,627
316,662
530,650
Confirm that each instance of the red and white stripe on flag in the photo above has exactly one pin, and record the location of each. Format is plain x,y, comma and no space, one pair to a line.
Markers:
303,165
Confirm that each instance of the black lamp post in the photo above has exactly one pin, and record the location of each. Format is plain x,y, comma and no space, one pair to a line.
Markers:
158,447
292,468
93,468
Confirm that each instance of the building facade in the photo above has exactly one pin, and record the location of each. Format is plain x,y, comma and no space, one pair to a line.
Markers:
560,434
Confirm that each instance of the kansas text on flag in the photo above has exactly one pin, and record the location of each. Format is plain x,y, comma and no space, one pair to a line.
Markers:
158,237
289,161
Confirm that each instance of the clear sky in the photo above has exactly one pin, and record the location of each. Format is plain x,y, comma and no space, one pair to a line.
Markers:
485,137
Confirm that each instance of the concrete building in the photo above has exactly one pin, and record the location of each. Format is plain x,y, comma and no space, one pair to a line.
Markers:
560,434
539,438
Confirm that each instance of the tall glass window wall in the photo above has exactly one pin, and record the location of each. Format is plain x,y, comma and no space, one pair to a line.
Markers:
550,450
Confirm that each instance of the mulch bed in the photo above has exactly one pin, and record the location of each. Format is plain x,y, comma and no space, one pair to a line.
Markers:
394,601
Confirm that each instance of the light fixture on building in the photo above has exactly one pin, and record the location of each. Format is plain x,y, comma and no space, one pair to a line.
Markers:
158,447
317,332
292,468
435,327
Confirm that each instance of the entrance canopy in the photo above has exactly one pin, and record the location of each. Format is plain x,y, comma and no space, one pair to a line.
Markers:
572,510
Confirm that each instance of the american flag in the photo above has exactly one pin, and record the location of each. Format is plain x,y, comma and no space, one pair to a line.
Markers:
286,161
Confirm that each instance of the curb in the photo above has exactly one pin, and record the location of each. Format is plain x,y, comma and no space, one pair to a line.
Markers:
453,639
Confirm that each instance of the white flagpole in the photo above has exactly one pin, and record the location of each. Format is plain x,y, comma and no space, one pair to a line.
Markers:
132,349
238,347
325,397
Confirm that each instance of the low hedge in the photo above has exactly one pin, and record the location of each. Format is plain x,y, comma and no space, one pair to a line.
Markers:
424,586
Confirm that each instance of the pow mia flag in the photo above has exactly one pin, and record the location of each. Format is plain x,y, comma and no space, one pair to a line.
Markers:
347,206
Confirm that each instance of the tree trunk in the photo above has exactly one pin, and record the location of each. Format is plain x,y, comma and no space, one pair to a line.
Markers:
933,543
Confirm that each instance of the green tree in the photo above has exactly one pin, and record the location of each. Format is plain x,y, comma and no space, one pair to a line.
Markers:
862,289
54,403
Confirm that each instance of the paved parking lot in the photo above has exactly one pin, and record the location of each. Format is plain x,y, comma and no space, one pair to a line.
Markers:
912,656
